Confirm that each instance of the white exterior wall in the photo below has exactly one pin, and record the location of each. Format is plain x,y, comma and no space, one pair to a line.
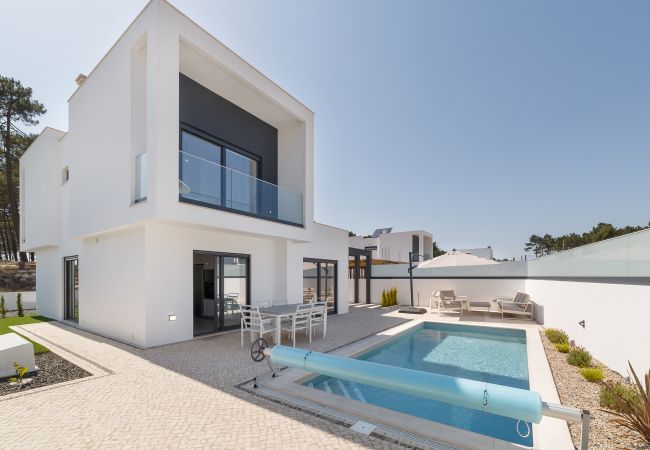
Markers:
615,318
41,170
135,259
329,243
28,298
474,289
169,261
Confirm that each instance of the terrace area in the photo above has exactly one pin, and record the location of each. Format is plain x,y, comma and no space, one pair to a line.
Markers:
188,394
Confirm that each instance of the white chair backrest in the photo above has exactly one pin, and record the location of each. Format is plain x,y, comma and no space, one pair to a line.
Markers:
251,317
319,309
447,295
303,310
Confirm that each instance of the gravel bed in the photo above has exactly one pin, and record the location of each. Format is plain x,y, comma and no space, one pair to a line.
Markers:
577,392
53,369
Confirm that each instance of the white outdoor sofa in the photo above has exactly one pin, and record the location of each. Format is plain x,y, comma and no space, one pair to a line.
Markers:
519,305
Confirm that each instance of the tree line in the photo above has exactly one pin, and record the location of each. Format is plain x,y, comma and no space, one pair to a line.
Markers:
17,107
543,245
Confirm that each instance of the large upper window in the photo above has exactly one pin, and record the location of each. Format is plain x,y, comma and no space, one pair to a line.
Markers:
215,175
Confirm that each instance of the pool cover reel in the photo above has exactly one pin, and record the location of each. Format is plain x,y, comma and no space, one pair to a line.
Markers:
493,398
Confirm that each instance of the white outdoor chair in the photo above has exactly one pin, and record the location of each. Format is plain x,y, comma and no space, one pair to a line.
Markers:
319,316
252,322
446,302
301,320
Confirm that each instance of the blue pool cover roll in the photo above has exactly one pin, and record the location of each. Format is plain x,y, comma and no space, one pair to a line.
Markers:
493,398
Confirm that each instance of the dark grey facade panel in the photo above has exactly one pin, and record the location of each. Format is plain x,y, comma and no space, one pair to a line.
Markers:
203,110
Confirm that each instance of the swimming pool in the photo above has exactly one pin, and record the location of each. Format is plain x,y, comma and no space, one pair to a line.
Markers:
493,355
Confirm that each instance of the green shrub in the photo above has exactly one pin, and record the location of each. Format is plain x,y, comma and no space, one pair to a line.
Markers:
579,357
634,415
19,305
556,336
611,395
3,311
563,347
592,374
384,299
393,296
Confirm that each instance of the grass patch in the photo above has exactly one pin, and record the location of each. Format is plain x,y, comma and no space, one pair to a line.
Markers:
11,321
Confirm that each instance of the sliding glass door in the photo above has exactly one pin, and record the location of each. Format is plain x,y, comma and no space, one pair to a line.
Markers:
319,278
71,288
221,284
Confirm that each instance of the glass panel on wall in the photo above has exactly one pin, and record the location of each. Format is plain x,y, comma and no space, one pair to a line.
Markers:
71,288
235,282
220,286
328,284
200,169
241,182
206,293
309,281
319,280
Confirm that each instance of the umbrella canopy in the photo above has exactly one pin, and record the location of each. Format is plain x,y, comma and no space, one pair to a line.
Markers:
455,259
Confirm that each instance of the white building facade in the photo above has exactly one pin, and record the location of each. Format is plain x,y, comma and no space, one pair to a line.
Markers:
183,187
395,246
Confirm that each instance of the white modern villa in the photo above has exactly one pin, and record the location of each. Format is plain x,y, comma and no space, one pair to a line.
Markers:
184,184
176,216
388,245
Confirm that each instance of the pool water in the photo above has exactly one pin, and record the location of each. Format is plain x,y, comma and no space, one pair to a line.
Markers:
493,355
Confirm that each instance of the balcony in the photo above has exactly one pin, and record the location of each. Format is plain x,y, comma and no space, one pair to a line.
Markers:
206,183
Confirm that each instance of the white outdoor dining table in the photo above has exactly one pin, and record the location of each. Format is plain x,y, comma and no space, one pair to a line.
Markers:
278,313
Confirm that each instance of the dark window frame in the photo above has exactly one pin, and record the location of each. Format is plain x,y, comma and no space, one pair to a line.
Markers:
224,146
318,262
220,319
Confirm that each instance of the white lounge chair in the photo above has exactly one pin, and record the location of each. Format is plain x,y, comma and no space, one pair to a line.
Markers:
519,305
301,320
446,302
252,322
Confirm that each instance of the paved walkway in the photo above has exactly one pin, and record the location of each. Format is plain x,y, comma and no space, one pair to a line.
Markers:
176,396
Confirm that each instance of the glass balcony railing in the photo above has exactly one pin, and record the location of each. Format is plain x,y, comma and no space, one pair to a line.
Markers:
210,184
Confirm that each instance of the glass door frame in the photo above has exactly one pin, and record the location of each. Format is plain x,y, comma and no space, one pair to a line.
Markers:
68,290
219,307
318,262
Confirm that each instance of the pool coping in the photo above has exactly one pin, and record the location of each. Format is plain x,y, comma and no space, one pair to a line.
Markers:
549,433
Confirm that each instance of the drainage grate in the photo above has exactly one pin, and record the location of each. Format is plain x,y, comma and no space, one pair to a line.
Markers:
356,423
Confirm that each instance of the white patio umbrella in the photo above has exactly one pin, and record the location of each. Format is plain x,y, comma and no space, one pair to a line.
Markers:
455,259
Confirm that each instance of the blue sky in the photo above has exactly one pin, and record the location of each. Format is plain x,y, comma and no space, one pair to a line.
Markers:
482,122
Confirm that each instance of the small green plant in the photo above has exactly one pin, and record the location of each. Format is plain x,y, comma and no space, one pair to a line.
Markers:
631,414
20,373
611,394
19,305
592,374
3,311
563,347
579,357
393,296
384,299
556,336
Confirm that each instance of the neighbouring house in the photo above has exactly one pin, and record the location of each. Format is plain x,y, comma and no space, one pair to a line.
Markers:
483,252
388,245
183,187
